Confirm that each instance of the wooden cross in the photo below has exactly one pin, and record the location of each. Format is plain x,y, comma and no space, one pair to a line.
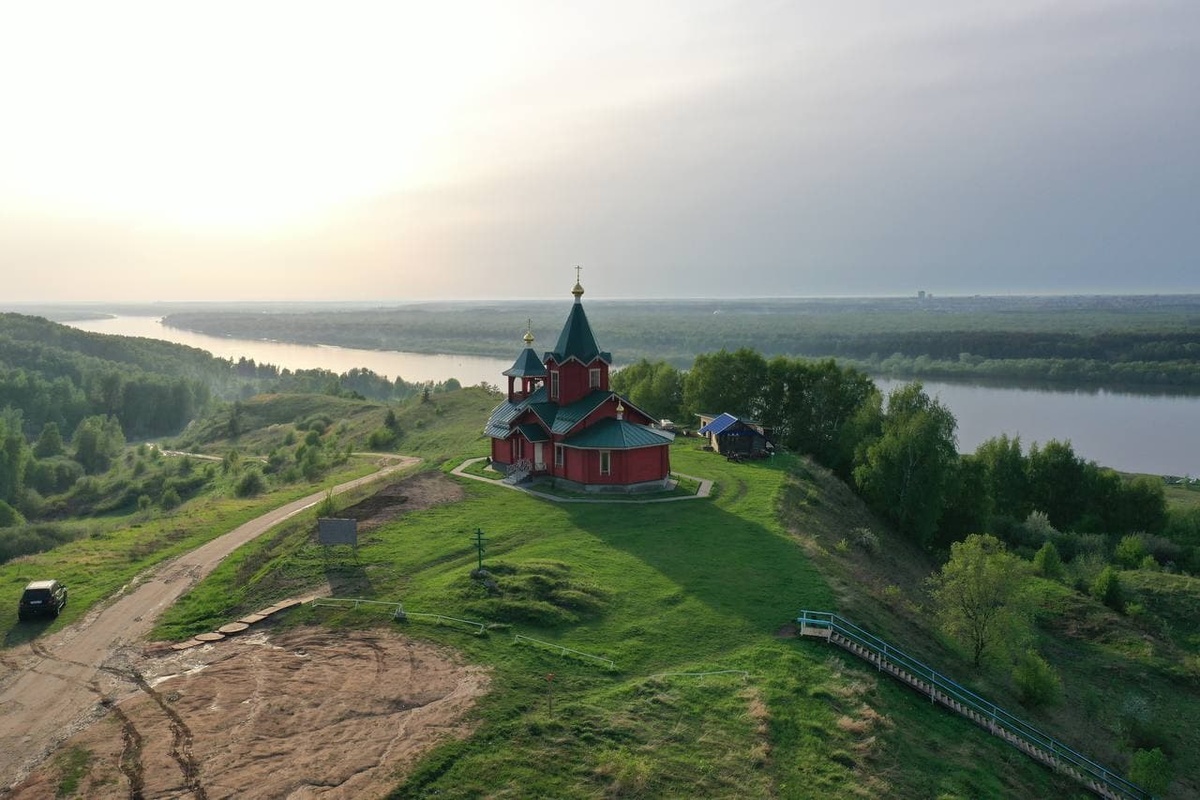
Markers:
577,268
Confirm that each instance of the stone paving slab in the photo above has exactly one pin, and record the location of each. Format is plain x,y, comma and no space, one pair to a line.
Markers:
188,645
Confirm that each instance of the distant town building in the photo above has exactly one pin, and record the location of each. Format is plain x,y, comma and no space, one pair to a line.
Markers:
561,420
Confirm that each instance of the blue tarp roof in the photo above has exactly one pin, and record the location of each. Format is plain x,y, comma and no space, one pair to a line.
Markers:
719,424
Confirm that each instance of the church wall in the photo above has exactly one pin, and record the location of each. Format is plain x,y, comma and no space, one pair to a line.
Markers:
574,380
501,451
645,464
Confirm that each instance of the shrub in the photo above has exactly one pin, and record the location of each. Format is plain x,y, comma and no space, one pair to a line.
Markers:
53,475
250,484
1130,552
1037,682
1151,770
1108,590
1048,563
1084,569
328,506
1037,524
169,499
9,516
381,439
865,540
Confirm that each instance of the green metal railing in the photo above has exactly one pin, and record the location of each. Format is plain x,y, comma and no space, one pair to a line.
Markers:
987,713
397,609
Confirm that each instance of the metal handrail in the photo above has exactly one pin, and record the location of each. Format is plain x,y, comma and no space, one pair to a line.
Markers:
399,612
518,638
997,716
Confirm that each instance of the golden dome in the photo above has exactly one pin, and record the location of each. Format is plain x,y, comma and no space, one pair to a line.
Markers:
578,290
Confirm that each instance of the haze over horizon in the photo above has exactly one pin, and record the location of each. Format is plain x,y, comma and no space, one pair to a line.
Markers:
397,152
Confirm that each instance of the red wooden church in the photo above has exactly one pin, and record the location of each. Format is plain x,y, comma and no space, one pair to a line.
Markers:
561,420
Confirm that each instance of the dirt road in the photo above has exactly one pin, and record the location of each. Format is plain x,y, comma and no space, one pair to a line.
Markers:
54,687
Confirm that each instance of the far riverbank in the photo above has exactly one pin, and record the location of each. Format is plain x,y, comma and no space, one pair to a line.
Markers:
1156,434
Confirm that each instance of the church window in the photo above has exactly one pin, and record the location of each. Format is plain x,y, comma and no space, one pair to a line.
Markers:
558,455
606,462
553,384
594,378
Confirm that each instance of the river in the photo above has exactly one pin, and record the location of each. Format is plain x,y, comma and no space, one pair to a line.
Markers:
1158,434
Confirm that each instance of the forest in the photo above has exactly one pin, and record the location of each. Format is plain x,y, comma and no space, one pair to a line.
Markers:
1127,342
70,401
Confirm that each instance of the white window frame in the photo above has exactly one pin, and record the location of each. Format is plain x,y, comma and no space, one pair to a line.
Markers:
594,378
606,462
560,456
553,384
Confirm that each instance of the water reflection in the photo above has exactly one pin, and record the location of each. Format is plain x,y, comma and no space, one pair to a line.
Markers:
412,367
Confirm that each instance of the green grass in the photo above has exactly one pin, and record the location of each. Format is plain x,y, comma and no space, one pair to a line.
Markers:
96,567
685,587
1183,497
696,586
72,765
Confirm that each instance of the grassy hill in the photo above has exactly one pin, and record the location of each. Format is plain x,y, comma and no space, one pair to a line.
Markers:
700,586
669,591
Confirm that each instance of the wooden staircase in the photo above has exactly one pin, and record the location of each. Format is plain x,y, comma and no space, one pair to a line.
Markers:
995,720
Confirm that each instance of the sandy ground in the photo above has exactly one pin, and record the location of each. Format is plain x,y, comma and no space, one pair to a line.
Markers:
304,714
81,677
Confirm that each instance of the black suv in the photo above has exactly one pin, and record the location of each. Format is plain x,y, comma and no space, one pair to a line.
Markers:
42,599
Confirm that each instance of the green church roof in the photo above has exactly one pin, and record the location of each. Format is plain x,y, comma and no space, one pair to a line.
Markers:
617,434
576,340
527,365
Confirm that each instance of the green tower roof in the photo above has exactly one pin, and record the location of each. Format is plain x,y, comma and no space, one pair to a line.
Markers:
576,340
527,365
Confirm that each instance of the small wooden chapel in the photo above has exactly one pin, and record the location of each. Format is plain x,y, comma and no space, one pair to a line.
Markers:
561,420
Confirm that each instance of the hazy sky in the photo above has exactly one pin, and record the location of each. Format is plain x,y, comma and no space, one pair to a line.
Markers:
393,151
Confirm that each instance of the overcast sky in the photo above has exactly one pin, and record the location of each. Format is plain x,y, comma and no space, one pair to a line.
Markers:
401,151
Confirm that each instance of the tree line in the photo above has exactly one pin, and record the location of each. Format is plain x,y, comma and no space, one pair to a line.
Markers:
900,452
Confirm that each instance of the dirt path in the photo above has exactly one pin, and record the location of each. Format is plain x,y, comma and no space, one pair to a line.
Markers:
53,687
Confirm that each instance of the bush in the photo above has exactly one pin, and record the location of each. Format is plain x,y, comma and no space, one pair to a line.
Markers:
382,439
53,475
1037,682
9,516
1151,770
1130,552
169,499
28,539
1048,563
1108,590
250,484
328,506
865,540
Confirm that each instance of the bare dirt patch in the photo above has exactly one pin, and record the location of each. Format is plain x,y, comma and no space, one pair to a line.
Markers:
307,713
412,494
